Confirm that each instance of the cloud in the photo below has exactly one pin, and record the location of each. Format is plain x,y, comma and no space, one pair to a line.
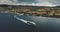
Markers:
13,2
34,3
6,2
45,2
38,3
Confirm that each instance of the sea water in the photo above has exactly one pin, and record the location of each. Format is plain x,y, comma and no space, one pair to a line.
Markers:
43,24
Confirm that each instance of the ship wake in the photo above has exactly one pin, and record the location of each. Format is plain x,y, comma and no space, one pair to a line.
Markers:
27,22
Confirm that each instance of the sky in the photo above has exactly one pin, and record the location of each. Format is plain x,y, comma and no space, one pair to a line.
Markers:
32,2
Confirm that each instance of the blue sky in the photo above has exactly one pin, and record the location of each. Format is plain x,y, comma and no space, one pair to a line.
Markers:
31,2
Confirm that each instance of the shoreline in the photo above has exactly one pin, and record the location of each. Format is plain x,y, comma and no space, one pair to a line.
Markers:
33,15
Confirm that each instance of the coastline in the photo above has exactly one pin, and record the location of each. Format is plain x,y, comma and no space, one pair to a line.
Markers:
31,15
45,16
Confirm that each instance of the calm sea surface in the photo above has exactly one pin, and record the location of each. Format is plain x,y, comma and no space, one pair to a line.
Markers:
43,24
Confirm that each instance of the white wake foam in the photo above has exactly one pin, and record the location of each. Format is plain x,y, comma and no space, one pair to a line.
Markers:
27,22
